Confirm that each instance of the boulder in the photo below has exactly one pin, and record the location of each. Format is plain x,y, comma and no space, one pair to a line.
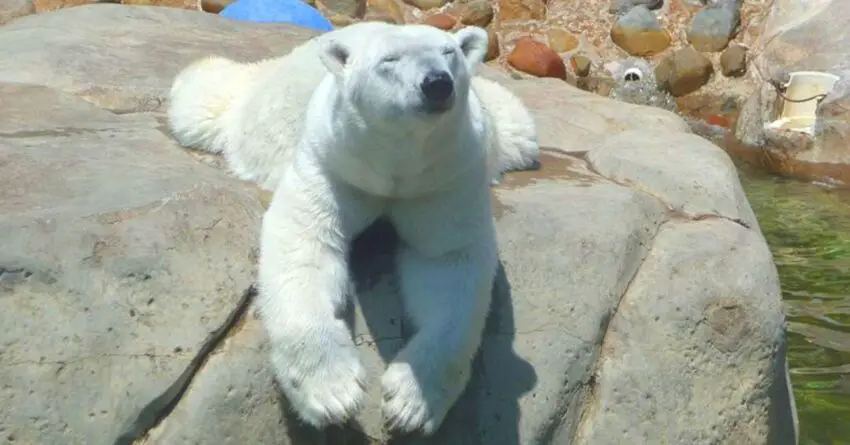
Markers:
683,71
121,254
536,58
711,29
639,33
636,296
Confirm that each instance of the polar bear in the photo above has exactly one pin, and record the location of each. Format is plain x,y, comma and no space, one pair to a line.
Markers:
393,130
237,109
388,122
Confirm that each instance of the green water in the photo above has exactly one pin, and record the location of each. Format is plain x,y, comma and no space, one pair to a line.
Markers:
808,229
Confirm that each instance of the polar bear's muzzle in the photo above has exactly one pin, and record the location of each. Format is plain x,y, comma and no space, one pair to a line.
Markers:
438,91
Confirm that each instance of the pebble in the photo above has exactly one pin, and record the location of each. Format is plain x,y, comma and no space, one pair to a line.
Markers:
581,65
733,61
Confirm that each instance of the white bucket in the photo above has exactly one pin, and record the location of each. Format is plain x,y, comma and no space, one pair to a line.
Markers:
800,116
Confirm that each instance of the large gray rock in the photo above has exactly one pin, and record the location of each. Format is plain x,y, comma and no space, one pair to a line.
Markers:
675,366
120,254
620,282
12,9
124,58
574,120
682,169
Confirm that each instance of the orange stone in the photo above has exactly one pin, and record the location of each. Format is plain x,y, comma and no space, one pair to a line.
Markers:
442,21
535,58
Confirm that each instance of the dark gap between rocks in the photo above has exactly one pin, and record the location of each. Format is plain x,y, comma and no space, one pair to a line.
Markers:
159,408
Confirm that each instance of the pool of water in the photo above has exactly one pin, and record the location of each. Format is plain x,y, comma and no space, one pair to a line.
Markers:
808,230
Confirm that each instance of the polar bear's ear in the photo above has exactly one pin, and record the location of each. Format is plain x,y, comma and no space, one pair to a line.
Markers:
473,42
334,55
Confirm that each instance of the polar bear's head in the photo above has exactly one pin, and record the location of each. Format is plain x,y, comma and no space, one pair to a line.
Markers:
395,72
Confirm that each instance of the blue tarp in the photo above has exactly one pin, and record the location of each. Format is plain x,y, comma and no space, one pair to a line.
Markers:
295,12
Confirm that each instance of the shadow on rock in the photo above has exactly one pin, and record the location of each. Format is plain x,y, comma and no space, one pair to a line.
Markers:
487,412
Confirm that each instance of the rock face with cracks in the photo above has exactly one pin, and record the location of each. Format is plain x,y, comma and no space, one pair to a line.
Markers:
636,296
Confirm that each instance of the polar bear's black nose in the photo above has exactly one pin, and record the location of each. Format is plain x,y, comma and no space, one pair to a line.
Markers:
437,89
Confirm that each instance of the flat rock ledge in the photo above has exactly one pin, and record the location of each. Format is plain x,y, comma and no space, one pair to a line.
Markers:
637,300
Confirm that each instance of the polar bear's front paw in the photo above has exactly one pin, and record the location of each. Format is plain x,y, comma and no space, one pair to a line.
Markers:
325,389
415,402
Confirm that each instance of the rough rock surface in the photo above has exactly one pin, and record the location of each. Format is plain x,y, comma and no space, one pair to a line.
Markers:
12,9
101,59
639,33
120,254
637,297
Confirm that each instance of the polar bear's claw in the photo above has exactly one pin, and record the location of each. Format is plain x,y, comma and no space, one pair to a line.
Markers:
327,393
412,404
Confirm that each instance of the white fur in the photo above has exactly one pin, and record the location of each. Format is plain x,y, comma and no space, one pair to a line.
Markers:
238,109
363,148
